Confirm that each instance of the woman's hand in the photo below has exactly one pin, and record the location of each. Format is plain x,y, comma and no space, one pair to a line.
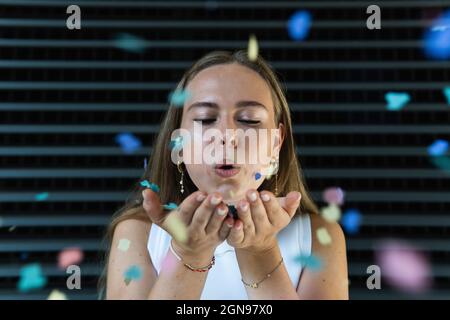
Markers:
260,219
205,220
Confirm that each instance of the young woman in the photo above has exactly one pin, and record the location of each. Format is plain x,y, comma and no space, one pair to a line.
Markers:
255,254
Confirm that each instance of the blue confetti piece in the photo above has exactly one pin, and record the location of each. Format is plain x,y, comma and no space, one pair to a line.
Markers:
310,262
178,97
437,38
130,43
170,206
41,196
145,164
257,176
128,142
447,94
438,148
299,25
133,273
150,185
397,100
351,221
31,277
177,143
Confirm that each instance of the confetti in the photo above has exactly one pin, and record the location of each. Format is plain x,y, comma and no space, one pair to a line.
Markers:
150,185
145,163
177,143
31,277
231,194
396,100
351,221
447,94
177,98
333,195
176,227
253,49
437,38
310,262
257,176
332,213
170,206
438,148
132,273
403,266
299,25
130,43
56,295
69,256
124,244
41,196
12,228
323,236
128,142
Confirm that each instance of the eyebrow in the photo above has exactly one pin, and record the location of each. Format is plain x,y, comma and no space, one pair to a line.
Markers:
239,104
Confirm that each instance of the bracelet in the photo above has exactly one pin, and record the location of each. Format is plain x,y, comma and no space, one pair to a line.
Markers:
255,285
201,269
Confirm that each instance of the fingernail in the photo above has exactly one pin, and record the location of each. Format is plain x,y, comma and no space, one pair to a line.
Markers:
201,197
252,197
298,196
230,225
239,227
221,211
215,200
244,206
265,197
143,194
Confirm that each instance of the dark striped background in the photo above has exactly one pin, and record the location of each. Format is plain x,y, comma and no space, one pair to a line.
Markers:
65,94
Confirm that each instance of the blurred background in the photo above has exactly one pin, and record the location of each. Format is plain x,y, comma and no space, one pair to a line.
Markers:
80,108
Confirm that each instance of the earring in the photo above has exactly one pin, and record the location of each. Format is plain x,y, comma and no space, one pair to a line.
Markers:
182,176
274,168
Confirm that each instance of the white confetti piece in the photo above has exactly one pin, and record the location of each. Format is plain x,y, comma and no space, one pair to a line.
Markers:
323,236
56,295
252,48
124,244
332,213
176,228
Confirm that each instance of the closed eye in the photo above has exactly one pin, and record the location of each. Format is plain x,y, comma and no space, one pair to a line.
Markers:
205,121
250,122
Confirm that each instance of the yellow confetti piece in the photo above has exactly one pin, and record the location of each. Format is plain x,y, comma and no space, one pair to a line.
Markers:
57,295
252,48
124,244
332,213
176,228
323,236
231,194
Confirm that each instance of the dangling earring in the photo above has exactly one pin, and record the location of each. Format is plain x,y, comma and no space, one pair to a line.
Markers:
182,176
274,168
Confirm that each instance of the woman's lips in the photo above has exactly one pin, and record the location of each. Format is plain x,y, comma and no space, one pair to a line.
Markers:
226,173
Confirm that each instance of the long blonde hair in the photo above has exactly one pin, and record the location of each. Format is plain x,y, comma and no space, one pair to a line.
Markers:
163,172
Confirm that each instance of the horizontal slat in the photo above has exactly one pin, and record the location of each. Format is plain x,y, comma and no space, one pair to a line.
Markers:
193,24
231,4
302,151
303,129
101,64
59,220
295,107
427,244
351,196
212,44
72,85
25,245
20,173
372,219
50,270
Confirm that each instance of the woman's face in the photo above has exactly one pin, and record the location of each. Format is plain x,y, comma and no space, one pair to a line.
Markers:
224,99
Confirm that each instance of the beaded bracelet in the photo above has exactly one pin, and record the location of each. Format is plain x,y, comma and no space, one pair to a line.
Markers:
201,269
255,285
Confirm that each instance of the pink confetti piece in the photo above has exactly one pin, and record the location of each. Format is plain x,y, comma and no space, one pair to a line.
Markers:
404,266
333,195
70,256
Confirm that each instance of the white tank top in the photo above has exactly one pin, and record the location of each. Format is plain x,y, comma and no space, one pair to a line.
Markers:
223,281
